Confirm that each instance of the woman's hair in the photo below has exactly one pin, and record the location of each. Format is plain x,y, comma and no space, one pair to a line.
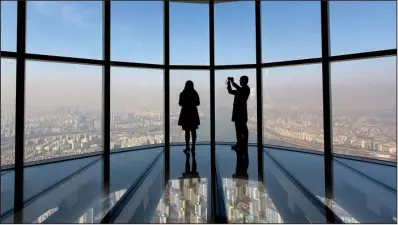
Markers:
189,86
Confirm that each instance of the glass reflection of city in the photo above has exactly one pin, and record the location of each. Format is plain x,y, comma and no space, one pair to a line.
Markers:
184,201
248,202
93,214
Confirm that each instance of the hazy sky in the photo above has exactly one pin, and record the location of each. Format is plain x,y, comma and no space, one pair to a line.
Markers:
291,30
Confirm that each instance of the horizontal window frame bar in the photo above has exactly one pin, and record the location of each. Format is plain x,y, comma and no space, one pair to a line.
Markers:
8,54
100,62
142,147
99,153
337,155
189,67
363,55
235,67
367,160
292,149
297,62
80,156
54,160
63,59
136,65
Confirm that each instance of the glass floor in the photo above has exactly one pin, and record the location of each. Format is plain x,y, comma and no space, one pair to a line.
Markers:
291,191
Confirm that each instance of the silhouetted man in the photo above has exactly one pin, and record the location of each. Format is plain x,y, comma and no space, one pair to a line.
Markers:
239,111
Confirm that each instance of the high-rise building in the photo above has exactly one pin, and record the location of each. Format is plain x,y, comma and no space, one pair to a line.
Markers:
112,117
252,92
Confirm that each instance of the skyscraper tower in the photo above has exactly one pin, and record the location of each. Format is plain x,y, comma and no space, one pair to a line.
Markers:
266,96
252,92
113,117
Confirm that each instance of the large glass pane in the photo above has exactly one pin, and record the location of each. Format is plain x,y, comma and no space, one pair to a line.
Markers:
235,33
201,80
356,198
292,203
137,31
225,128
9,26
385,174
292,110
290,30
7,192
189,34
365,201
142,204
8,87
307,169
364,108
66,202
185,198
63,110
137,162
38,179
136,107
360,26
65,28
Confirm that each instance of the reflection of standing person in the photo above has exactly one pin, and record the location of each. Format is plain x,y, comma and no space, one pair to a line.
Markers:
189,116
239,111
190,172
242,164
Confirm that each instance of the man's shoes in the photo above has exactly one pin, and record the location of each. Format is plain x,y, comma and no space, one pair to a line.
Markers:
234,147
186,151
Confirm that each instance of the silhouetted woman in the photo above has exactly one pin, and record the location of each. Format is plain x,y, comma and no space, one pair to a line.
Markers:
189,116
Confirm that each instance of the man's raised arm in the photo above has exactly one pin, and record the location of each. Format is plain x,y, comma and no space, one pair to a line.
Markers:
232,92
236,85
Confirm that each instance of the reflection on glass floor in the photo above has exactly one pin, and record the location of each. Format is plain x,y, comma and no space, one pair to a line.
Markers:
184,201
341,213
247,201
292,189
101,206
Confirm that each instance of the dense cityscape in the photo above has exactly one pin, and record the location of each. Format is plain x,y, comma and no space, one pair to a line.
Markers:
72,131
248,202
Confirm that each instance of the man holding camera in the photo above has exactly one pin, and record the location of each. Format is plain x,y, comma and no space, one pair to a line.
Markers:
239,111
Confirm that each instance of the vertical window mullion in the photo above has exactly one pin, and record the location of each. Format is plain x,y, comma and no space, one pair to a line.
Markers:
106,88
327,107
259,91
166,51
212,112
20,113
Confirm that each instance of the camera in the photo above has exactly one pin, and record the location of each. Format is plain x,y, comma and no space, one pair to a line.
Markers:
229,79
